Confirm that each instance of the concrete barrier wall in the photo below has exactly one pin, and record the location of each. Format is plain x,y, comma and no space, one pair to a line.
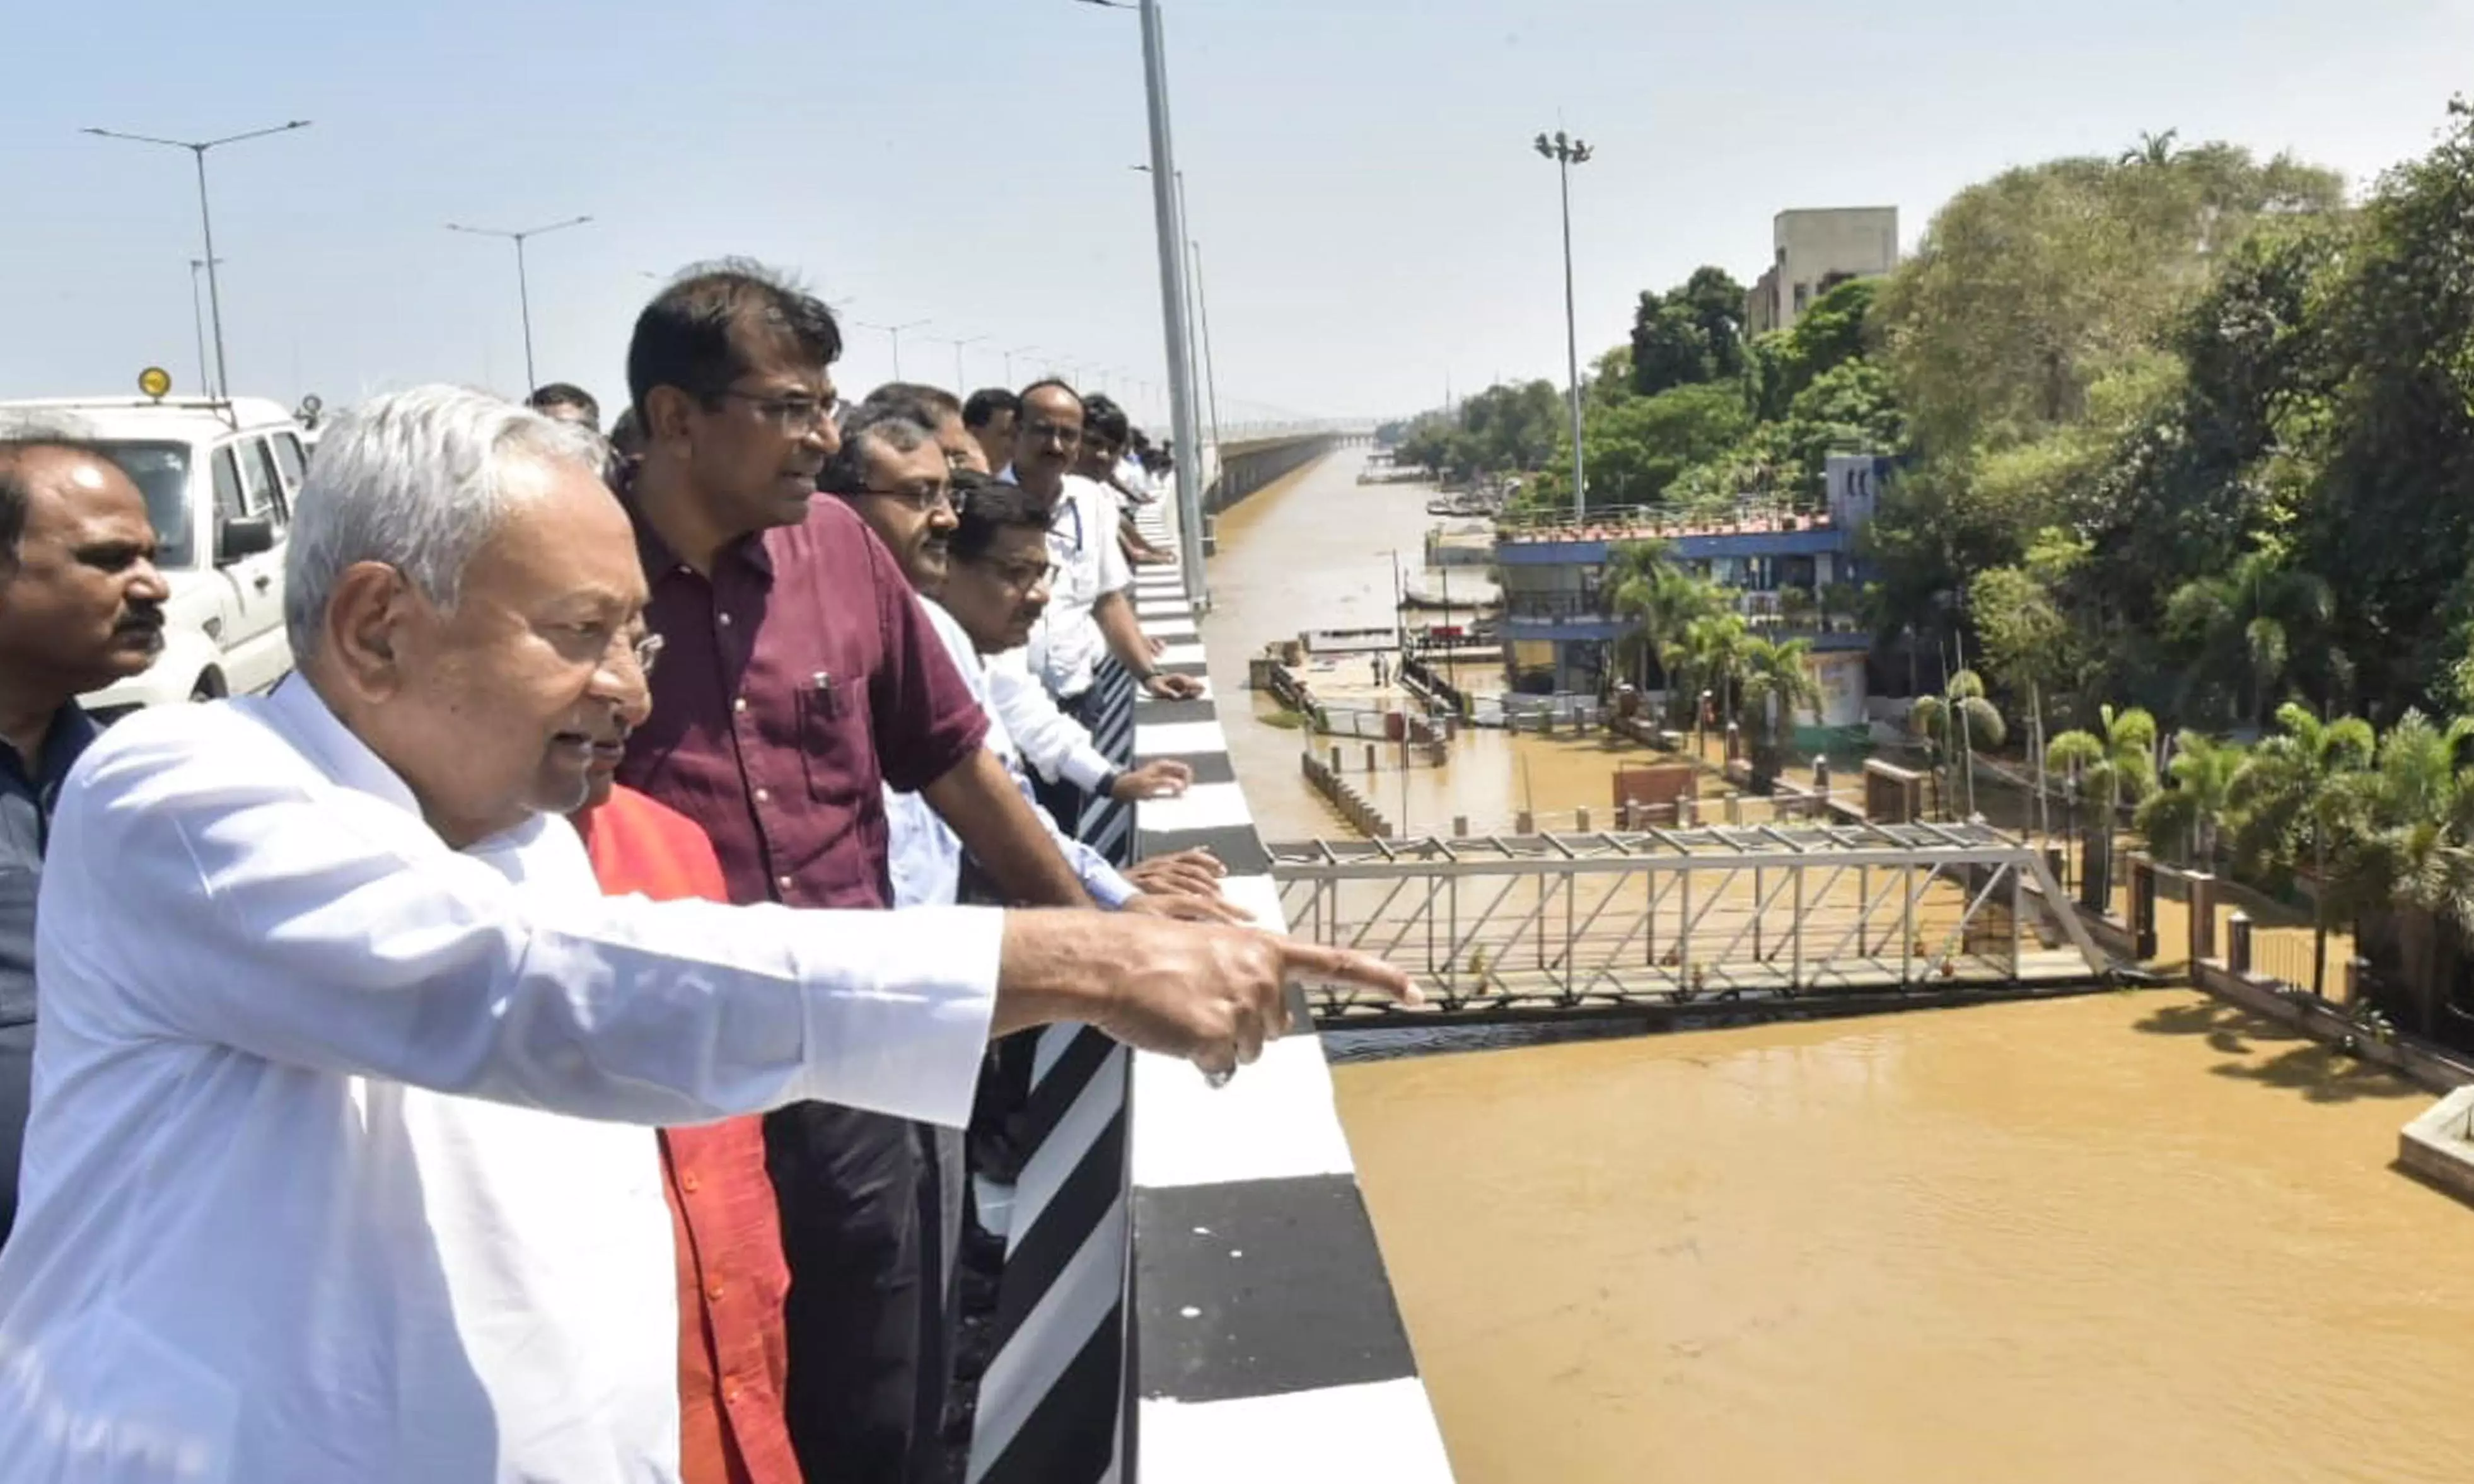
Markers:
1268,1345
1193,1290
1247,467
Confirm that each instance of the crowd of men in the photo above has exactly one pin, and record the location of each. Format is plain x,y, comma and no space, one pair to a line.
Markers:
490,1055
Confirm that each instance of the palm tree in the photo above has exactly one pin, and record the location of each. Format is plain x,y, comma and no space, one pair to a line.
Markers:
2290,806
2241,630
1778,683
1711,651
2407,820
2192,813
2152,149
1954,722
1656,598
2114,763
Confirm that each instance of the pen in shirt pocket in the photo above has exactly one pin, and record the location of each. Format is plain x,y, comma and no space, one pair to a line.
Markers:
828,698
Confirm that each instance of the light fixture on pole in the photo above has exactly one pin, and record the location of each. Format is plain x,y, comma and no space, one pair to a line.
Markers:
895,331
1568,152
197,148
198,317
961,377
1020,349
1169,230
523,279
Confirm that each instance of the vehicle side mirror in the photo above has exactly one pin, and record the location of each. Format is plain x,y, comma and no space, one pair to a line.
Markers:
243,537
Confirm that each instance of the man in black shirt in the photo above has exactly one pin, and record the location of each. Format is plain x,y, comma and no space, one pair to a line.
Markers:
80,606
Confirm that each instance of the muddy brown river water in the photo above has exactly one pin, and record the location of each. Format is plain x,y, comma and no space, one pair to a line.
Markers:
2122,1238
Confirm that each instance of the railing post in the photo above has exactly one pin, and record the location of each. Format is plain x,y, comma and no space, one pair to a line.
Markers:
2143,907
2204,917
2237,943
1582,821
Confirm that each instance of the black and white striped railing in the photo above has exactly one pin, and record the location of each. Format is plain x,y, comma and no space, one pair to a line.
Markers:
1193,1289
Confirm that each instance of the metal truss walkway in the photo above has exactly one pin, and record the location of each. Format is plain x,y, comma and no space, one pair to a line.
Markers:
1508,928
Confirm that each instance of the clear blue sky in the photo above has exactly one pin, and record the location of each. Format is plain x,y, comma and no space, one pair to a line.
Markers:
1372,216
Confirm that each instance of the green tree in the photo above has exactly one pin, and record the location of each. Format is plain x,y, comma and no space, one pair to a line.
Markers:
2389,518
1708,656
2292,807
2239,629
2187,820
2115,764
1778,684
1830,333
1656,599
1953,725
1689,334
2406,824
2027,639
1636,448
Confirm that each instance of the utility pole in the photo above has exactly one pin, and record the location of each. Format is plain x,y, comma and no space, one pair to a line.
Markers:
1568,152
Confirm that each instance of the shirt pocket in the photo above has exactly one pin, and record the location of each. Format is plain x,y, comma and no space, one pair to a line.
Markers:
836,747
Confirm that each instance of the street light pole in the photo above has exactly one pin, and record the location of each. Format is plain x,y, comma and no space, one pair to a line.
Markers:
1169,227
524,280
1568,152
197,318
197,148
1210,373
961,377
1020,349
895,331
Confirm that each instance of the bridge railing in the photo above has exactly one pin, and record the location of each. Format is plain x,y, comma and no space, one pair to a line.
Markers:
1192,1287
1544,924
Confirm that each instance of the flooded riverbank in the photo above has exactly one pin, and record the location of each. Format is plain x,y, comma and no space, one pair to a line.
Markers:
2129,1237
2120,1238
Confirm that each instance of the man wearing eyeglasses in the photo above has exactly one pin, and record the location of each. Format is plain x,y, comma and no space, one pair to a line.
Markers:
892,472
799,680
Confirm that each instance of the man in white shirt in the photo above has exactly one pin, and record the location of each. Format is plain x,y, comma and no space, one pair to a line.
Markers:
1090,613
338,1166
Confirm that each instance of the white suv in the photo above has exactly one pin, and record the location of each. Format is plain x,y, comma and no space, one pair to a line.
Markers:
219,479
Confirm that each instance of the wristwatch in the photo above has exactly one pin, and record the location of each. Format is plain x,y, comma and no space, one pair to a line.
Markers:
1108,783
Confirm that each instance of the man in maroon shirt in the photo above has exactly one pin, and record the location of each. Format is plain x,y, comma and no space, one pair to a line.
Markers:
798,677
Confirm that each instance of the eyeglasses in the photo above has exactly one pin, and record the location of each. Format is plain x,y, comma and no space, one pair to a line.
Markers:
921,496
645,651
793,414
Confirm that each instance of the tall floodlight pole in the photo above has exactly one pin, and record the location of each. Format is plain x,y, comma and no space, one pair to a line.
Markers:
1568,152
1025,350
523,279
895,331
1168,228
197,318
197,148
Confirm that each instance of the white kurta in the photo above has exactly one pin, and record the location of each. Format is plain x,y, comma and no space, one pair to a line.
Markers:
338,1167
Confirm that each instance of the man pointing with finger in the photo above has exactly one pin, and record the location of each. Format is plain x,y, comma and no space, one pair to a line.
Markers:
320,970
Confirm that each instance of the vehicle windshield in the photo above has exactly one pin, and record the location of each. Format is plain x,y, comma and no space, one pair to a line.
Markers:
161,470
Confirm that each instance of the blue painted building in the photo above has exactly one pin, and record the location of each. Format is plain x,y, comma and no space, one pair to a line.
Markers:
1793,574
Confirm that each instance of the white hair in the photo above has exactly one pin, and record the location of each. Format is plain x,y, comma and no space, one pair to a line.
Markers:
413,479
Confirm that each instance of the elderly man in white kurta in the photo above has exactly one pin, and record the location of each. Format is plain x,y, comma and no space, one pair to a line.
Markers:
339,1166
